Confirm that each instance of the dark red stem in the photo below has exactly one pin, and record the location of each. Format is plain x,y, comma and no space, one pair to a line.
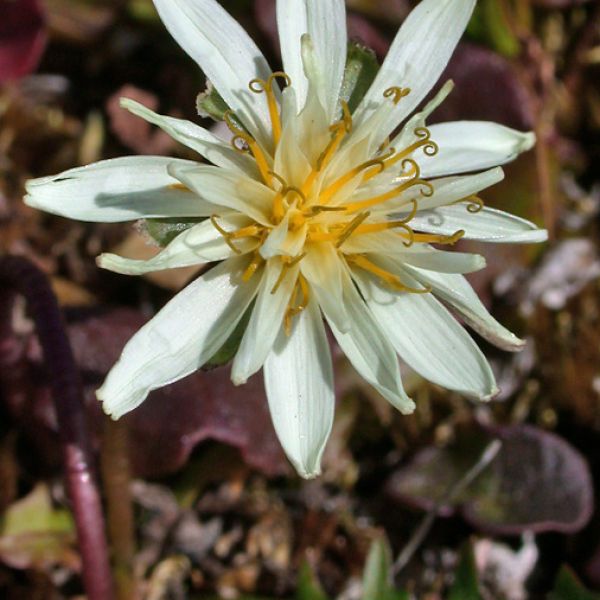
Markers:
21,276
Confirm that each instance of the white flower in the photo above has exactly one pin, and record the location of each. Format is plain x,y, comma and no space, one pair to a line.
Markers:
312,212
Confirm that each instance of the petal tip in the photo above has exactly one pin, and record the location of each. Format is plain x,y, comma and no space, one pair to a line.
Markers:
529,140
490,395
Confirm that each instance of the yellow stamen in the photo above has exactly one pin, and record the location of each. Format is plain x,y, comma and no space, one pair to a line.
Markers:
430,148
250,231
290,189
350,228
426,189
474,203
317,209
448,240
257,260
226,234
255,149
258,86
336,186
297,220
288,263
377,227
293,308
389,278
339,130
397,92
180,187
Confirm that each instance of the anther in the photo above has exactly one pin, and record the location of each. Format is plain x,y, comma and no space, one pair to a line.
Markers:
317,209
180,187
397,93
377,164
350,228
293,308
288,263
226,234
259,156
389,278
474,203
251,269
258,86
430,148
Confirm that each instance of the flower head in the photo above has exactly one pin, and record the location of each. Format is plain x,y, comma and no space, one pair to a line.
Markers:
314,210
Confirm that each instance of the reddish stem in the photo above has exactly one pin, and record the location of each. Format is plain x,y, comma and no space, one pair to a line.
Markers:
21,276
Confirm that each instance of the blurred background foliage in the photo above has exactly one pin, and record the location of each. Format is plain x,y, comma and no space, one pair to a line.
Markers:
217,511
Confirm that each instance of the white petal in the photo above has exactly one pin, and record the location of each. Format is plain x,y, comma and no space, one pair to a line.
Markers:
387,243
299,384
325,22
226,54
197,138
441,260
199,244
445,191
456,291
407,136
267,316
290,162
369,350
121,189
284,242
313,121
418,55
472,146
186,333
228,188
451,189
488,225
324,271
427,336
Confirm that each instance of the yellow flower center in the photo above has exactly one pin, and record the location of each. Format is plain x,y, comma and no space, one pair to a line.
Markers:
315,211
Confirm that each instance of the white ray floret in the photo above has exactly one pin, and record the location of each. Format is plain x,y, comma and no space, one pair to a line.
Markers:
314,215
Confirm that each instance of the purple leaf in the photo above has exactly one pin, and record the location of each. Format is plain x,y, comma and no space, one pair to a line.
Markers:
559,3
538,482
487,88
23,37
169,425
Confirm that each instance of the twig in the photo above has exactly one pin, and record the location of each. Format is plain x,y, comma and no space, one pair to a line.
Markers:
21,276
451,493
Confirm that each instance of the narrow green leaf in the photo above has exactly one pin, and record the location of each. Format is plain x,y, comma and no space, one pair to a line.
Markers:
466,586
309,587
230,347
210,104
361,70
164,231
489,25
568,587
377,581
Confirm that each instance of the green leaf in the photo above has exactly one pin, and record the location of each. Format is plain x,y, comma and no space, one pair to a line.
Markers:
568,587
377,580
361,70
465,586
230,347
35,513
489,25
210,104
309,587
34,534
164,231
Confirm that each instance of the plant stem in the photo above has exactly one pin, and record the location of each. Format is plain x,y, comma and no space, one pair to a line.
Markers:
21,276
116,476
